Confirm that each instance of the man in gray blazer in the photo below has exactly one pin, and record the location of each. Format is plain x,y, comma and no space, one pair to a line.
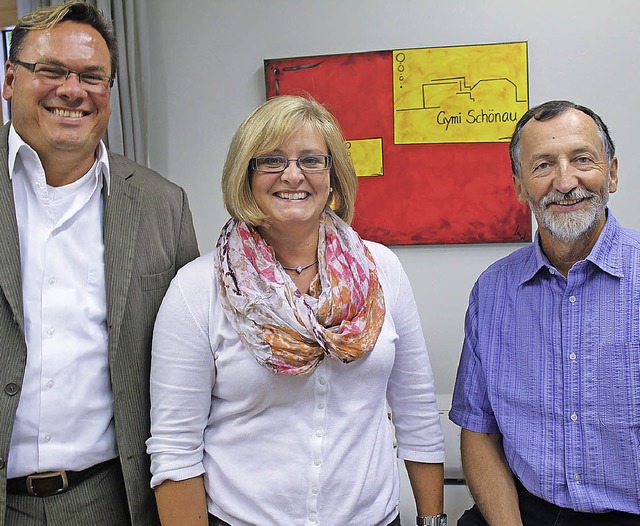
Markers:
90,242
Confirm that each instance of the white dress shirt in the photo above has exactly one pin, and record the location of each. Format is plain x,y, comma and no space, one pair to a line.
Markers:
313,450
65,417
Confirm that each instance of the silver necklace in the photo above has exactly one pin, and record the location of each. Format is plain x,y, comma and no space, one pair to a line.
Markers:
300,268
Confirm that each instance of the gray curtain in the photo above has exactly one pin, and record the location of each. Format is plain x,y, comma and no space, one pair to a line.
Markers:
127,131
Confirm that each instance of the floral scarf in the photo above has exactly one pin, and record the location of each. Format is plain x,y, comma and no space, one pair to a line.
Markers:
289,332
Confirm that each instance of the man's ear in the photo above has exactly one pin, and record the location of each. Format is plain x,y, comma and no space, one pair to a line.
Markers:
613,175
9,78
521,195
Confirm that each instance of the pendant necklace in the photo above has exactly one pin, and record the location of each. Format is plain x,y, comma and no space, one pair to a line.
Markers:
300,268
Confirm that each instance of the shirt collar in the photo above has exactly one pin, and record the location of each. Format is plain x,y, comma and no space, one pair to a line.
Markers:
604,253
536,262
17,147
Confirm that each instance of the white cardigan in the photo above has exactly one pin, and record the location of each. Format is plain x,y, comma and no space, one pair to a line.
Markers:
276,449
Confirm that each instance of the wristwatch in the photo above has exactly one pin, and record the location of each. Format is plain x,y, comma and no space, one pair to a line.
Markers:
432,520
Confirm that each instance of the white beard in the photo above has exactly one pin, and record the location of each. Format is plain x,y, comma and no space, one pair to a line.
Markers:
569,226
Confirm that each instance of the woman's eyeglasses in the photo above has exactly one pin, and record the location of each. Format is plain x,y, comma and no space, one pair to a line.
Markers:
277,163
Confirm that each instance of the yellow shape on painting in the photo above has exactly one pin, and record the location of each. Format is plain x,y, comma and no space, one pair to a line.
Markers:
459,94
366,155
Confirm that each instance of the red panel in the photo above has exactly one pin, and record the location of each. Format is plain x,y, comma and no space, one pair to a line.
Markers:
429,193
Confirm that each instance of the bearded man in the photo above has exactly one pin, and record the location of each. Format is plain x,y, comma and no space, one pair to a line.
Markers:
548,386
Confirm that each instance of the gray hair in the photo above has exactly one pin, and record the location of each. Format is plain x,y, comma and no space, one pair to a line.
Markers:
548,111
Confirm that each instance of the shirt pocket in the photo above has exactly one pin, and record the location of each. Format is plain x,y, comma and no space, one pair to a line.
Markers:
618,381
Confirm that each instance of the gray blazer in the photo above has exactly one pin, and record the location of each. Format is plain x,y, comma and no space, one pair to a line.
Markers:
148,236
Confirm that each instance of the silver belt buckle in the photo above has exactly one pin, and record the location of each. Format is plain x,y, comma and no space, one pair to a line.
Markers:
48,475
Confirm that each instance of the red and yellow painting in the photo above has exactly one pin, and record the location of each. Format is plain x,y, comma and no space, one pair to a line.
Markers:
428,131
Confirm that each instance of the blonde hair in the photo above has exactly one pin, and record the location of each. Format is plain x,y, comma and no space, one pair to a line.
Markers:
48,17
265,130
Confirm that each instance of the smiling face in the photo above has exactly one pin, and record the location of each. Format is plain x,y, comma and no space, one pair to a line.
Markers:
293,197
65,118
565,175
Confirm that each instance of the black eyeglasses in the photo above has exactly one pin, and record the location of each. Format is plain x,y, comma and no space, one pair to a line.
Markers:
56,75
316,162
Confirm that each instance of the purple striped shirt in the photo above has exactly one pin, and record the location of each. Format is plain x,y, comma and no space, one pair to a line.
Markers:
553,364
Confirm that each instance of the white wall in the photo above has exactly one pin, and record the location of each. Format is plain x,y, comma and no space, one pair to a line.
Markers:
206,63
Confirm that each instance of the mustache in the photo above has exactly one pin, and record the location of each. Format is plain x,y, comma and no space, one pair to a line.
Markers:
576,194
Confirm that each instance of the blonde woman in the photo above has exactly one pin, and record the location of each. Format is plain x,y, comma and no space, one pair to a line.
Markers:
275,356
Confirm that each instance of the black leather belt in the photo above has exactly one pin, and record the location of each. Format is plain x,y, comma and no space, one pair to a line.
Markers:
52,482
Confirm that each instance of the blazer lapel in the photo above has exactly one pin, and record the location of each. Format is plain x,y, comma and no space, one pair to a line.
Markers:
121,220
10,270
